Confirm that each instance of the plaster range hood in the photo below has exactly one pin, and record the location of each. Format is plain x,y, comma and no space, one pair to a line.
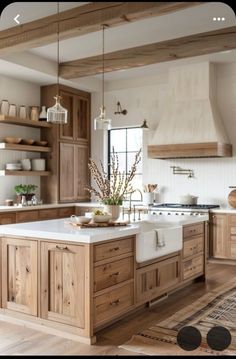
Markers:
190,124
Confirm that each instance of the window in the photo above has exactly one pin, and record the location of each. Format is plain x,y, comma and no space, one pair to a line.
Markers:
126,142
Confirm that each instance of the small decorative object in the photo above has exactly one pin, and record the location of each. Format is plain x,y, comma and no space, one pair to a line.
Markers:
24,190
12,110
13,140
40,143
22,112
100,216
111,192
26,164
9,202
148,194
14,166
119,110
38,164
27,141
79,219
232,197
34,113
43,114
4,107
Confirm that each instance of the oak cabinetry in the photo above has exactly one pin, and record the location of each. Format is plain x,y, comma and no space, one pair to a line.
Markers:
70,145
193,252
155,279
113,279
19,275
7,218
63,283
45,214
27,216
220,241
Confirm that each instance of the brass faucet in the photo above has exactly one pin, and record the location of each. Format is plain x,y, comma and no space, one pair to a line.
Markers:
141,200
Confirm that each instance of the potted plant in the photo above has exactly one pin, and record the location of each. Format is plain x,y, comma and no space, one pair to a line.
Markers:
112,191
27,190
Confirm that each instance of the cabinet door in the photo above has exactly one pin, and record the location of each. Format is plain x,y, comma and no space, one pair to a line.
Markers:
156,279
67,172
82,119
7,218
81,172
220,236
67,130
19,275
63,283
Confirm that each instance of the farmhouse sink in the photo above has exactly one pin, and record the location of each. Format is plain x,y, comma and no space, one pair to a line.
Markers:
157,239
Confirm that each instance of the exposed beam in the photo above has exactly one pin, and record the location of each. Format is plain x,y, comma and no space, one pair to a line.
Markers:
180,48
82,20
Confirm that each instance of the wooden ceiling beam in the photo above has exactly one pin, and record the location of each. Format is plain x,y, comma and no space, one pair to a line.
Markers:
180,48
82,20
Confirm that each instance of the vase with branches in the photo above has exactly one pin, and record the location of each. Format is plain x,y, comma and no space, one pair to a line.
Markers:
112,191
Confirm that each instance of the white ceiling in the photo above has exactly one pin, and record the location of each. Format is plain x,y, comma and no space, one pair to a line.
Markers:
182,23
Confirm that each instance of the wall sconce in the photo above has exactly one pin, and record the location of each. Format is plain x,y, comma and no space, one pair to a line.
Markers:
181,171
119,110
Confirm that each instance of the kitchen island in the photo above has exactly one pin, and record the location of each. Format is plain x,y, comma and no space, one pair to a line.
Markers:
72,282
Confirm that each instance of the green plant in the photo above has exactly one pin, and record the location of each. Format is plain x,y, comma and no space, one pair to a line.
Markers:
25,189
112,191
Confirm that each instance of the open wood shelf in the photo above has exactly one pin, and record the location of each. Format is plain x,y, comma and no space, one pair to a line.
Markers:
18,147
23,122
24,173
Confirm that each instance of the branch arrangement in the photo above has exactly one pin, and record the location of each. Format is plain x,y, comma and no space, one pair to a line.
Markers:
112,191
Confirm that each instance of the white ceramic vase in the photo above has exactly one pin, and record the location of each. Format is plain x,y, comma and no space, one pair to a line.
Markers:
113,210
43,114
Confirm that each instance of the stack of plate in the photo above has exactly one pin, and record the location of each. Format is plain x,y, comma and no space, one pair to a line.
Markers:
13,166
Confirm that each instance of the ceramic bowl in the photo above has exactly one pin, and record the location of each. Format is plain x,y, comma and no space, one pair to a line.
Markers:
80,219
12,140
101,218
40,143
27,142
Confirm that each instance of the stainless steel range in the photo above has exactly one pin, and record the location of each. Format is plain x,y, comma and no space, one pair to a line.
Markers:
178,209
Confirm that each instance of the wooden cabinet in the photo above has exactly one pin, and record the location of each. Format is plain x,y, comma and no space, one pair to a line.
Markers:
70,145
220,245
113,249
45,214
74,175
193,253
27,216
155,279
63,283
7,218
19,275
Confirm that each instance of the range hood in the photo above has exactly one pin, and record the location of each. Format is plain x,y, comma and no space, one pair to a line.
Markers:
190,123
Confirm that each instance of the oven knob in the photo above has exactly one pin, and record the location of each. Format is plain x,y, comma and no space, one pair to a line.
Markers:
153,212
160,213
182,214
169,213
176,213
191,214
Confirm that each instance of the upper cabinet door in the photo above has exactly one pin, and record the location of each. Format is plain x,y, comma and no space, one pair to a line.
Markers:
67,101
82,119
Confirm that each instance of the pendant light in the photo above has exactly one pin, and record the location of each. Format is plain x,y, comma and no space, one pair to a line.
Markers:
101,122
57,114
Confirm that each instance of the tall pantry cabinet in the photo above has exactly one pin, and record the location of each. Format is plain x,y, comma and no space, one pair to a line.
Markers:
70,143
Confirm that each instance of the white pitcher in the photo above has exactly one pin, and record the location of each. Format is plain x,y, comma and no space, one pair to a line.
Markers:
4,107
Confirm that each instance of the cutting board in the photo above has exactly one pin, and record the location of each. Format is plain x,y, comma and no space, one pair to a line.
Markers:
232,198
98,225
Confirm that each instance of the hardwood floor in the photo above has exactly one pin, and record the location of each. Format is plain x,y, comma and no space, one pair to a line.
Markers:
15,339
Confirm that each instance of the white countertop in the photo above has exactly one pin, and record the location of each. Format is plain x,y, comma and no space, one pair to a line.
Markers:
223,210
58,229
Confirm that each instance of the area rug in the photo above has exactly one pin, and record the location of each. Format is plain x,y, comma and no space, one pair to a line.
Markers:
216,308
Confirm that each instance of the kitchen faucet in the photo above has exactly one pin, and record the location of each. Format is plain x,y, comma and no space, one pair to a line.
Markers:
141,200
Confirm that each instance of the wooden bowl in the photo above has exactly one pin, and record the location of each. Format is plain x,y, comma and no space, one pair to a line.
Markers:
40,143
27,142
232,198
12,140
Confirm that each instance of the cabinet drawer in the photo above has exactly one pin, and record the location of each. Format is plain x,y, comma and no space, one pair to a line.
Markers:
65,212
193,230
232,219
193,267
48,214
27,216
7,218
115,302
193,246
114,248
112,273
233,249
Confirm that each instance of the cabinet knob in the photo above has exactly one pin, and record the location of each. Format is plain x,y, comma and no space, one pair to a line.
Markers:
114,274
115,302
62,248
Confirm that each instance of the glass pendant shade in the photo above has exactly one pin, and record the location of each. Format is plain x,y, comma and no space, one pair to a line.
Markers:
101,122
57,114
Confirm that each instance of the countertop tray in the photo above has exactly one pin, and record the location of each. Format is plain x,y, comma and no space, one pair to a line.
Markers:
98,225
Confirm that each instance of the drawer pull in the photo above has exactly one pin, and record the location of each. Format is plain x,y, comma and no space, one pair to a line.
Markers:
62,248
114,249
114,274
115,302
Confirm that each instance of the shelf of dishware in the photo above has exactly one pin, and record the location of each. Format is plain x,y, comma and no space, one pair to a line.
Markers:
18,147
23,121
24,173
